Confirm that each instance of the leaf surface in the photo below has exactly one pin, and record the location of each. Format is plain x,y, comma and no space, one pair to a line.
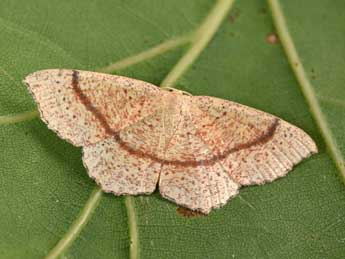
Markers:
44,186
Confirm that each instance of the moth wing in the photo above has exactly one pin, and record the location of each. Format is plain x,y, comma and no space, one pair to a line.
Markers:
221,145
86,107
118,171
255,147
200,188
189,175
129,162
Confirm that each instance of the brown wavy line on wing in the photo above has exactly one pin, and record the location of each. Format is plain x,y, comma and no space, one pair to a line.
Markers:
261,139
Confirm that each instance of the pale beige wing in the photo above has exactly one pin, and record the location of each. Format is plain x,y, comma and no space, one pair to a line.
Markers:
253,146
130,162
200,188
220,145
86,107
189,177
118,170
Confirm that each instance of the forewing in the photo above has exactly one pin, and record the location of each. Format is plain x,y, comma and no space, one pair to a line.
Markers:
253,146
86,107
271,159
227,126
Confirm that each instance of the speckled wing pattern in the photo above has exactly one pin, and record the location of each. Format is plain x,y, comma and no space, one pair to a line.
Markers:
200,150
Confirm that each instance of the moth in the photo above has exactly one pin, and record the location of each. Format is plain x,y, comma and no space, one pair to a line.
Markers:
134,136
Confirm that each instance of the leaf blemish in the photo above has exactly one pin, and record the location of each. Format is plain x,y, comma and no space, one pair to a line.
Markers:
234,15
272,38
313,74
263,11
187,213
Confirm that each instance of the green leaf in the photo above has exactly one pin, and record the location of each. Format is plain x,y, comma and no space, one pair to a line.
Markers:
49,205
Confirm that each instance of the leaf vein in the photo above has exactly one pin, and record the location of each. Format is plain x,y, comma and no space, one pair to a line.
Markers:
77,226
304,83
